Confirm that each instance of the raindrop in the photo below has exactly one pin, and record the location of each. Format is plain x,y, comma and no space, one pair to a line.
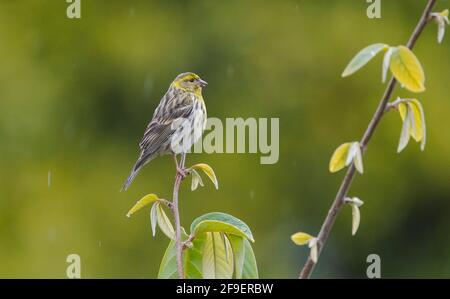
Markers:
49,178
148,87
131,11
51,234
84,143
69,130
230,70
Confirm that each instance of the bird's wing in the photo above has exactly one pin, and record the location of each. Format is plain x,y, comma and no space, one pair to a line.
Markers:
159,130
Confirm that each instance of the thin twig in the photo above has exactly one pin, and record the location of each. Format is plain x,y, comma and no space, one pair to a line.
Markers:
179,246
346,183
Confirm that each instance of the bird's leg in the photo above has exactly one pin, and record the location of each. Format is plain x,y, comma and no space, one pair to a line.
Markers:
181,171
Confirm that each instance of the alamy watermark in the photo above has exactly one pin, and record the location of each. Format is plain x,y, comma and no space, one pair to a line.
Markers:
374,268
73,10
74,268
374,9
235,135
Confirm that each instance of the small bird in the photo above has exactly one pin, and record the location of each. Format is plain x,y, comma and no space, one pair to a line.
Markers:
177,123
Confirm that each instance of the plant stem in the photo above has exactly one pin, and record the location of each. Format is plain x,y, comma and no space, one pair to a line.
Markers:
346,183
179,246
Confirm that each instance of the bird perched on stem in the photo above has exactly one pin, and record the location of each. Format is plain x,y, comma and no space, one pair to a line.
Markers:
177,123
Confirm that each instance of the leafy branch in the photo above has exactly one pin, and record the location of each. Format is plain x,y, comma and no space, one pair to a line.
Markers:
218,245
407,70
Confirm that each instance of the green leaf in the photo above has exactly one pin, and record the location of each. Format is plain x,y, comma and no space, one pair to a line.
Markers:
444,13
441,29
220,247
164,222
154,218
192,260
402,108
356,218
237,243
354,147
217,257
314,252
407,69
386,63
168,266
344,155
208,171
149,198
196,180
244,259
339,157
221,222
411,111
357,157
441,19
363,57
250,266
301,238
420,131
405,133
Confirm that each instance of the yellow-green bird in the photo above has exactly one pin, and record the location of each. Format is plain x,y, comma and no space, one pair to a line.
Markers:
177,123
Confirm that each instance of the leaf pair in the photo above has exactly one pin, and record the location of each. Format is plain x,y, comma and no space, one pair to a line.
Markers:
302,238
346,154
157,214
355,203
402,62
413,117
220,249
197,179
441,19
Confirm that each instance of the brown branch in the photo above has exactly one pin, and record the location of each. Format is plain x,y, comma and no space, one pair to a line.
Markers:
178,244
346,183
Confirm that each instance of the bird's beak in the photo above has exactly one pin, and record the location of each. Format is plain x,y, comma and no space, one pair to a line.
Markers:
203,83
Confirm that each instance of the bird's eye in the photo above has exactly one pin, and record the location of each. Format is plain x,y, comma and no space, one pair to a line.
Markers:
192,80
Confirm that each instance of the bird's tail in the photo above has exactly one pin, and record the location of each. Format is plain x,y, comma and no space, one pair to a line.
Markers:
136,168
129,179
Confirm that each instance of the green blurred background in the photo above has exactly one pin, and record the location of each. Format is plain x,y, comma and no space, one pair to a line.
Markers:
76,95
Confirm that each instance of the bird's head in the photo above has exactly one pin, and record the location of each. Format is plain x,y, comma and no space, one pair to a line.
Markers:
189,82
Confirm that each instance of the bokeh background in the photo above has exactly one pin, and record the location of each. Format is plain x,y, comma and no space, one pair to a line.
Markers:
76,95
